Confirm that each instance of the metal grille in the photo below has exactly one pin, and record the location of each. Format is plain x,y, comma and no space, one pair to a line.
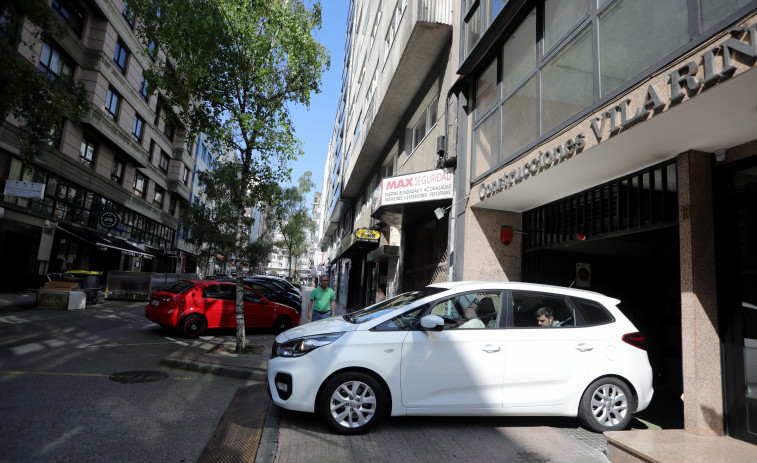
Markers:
644,200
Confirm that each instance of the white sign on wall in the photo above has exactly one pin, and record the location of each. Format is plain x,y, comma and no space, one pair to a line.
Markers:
421,186
24,189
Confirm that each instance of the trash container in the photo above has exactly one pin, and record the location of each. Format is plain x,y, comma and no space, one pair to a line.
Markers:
89,282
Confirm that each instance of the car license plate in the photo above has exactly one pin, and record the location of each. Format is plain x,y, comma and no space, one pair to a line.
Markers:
154,302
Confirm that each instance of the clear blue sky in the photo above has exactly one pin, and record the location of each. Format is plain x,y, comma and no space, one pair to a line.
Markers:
314,126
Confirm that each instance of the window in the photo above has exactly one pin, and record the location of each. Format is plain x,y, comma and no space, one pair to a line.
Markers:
486,90
592,312
139,185
185,174
172,205
129,14
117,171
143,89
163,162
560,16
138,129
120,56
168,131
158,198
394,25
152,49
223,292
470,310
529,308
112,103
653,37
425,123
69,14
54,63
87,152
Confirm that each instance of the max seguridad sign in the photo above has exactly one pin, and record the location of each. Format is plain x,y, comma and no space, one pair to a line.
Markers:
421,186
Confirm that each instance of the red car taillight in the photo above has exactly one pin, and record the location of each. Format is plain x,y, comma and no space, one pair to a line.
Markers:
636,339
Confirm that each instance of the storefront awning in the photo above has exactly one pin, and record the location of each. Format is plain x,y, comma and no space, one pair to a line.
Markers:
101,240
357,243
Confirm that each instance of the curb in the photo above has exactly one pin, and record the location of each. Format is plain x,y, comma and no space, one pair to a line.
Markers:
193,360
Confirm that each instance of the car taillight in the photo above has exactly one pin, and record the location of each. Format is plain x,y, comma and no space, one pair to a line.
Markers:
636,339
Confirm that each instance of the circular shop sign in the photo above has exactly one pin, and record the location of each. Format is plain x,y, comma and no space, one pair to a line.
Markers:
110,220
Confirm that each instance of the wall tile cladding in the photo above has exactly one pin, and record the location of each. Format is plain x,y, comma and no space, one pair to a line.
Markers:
486,257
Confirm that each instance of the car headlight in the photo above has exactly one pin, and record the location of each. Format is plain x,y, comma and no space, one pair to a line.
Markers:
301,346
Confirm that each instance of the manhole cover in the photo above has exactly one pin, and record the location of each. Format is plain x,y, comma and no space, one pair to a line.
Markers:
134,377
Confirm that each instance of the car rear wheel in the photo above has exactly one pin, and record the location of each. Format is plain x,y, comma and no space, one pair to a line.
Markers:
352,403
607,405
282,324
192,326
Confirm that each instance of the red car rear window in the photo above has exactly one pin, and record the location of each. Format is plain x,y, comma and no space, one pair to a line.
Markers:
177,288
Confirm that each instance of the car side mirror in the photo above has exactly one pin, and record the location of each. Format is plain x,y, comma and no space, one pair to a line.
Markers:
432,323
263,301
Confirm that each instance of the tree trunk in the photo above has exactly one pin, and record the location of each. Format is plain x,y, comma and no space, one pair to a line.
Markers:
241,339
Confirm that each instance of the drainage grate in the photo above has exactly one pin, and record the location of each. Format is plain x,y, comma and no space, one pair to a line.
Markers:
134,377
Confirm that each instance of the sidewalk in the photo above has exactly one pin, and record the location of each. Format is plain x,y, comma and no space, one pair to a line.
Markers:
257,440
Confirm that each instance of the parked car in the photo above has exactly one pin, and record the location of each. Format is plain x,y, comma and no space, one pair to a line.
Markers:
290,287
275,292
192,306
467,348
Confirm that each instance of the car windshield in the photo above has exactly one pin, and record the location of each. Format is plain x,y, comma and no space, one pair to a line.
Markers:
369,313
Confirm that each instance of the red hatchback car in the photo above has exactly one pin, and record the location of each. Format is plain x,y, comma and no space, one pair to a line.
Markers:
193,306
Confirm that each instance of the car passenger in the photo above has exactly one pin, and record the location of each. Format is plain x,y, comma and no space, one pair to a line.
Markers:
545,317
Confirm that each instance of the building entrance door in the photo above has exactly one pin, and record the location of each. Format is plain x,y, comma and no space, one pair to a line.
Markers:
736,219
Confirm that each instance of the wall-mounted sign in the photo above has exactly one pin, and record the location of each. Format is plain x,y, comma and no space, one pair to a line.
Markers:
367,234
422,186
109,220
24,189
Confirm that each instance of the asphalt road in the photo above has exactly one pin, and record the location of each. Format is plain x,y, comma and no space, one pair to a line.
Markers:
67,394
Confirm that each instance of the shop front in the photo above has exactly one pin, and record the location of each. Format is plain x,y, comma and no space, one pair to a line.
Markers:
349,264
641,193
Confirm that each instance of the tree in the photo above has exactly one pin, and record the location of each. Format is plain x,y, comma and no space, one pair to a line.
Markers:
210,222
234,67
291,218
37,100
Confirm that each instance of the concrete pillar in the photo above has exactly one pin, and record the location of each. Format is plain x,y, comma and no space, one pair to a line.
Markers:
702,371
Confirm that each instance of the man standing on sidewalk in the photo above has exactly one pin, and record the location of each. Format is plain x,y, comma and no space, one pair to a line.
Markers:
322,301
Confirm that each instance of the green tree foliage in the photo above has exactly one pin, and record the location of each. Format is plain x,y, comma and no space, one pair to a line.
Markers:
37,101
292,218
234,67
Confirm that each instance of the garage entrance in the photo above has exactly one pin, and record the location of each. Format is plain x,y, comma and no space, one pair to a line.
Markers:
621,239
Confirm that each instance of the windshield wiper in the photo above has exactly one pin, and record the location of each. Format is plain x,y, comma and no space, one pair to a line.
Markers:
348,318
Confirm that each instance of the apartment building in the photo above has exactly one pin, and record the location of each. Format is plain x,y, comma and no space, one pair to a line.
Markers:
114,182
611,145
399,64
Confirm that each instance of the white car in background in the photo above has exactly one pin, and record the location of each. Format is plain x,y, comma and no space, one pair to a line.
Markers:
467,349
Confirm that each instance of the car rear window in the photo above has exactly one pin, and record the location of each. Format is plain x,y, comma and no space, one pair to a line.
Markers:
178,287
592,312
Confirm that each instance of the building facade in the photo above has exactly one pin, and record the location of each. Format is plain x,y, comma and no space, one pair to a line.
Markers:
611,145
399,62
111,189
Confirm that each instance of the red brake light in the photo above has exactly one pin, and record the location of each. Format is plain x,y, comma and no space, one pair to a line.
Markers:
636,339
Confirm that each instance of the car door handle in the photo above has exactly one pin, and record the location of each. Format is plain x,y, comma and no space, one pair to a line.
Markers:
583,347
490,349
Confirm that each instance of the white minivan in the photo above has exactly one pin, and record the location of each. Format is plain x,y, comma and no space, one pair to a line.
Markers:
467,349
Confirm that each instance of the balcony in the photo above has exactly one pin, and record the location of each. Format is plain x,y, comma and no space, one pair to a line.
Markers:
122,140
424,33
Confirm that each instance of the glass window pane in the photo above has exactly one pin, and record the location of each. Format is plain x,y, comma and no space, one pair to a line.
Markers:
714,11
486,144
486,86
519,119
560,16
630,39
567,82
519,55
473,31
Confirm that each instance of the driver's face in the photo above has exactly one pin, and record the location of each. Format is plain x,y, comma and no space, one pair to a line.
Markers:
543,320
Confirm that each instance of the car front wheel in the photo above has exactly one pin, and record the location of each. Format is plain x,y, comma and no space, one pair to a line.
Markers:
192,326
607,405
352,403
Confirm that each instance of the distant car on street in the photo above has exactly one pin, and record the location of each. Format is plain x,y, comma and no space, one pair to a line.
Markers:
273,291
193,306
467,349
281,281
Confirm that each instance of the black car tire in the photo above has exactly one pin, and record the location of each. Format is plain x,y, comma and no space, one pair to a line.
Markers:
192,326
607,405
352,403
282,324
